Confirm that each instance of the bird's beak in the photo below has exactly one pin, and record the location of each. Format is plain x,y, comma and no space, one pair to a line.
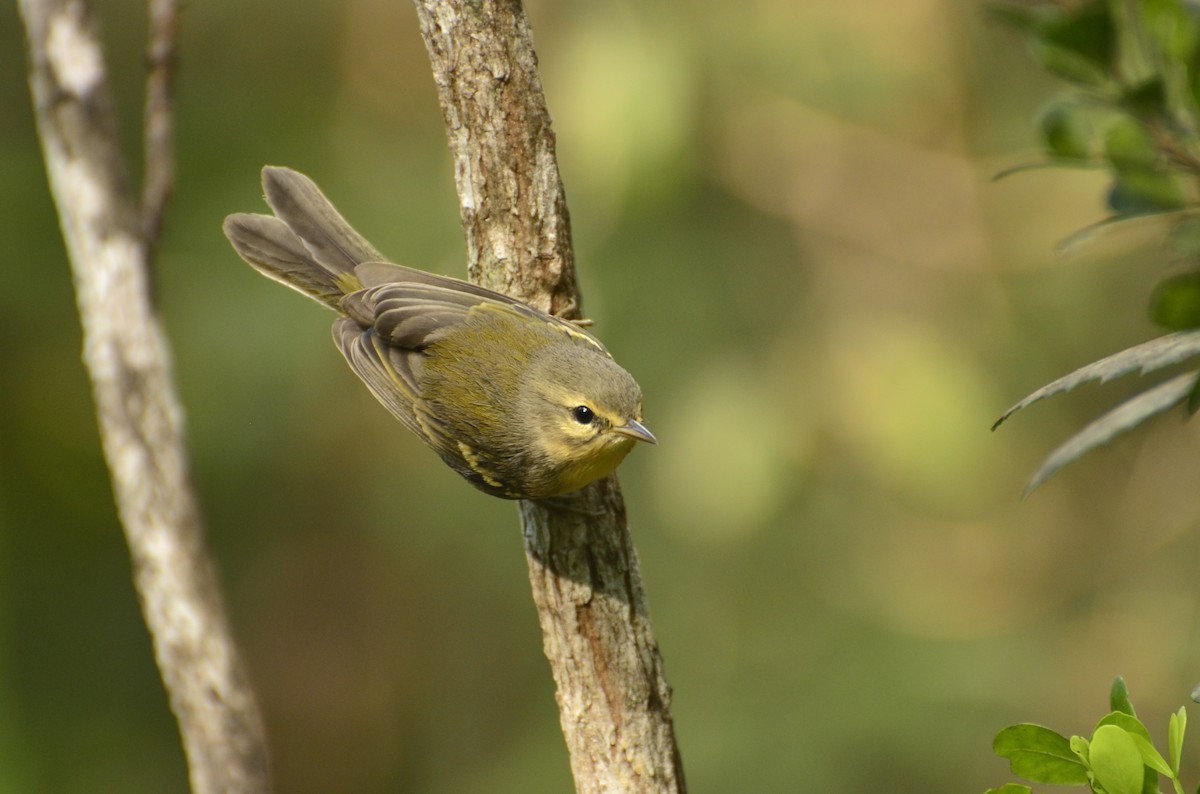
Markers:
636,430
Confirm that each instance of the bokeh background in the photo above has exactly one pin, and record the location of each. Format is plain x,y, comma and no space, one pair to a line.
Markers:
787,230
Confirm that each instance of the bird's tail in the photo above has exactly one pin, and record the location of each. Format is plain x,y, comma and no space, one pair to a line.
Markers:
307,244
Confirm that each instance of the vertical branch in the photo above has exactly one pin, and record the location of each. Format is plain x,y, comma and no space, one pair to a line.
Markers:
510,195
140,419
613,697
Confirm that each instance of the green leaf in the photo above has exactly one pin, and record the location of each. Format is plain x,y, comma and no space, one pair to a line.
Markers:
1079,44
1137,190
1184,237
1126,722
1116,762
1010,788
1165,351
1128,146
1079,746
1175,731
1023,18
1118,697
1151,757
1192,403
1094,232
1066,132
1125,416
1068,66
1175,303
1193,75
1020,168
1172,26
1147,98
1039,754
1085,32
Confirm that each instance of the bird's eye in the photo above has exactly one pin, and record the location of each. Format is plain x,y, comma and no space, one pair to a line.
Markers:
583,415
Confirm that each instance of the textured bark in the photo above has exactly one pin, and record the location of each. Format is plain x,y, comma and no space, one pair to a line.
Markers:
140,420
613,697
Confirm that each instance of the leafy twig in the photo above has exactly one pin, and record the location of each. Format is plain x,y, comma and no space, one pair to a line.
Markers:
1125,416
1146,357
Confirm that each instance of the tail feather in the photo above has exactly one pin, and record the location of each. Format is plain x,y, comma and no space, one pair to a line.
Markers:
308,245
299,203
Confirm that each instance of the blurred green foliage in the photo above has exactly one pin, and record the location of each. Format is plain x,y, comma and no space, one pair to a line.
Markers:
785,229
1132,109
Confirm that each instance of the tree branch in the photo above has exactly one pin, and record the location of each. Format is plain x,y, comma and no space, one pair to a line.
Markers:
158,118
614,700
140,419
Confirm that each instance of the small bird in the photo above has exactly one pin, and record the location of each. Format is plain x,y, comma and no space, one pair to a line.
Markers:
522,404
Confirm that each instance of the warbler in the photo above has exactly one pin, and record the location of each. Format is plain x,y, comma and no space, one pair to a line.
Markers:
522,404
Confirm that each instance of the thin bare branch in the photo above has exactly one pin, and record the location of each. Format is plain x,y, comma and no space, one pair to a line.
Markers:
158,179
141,425
613,697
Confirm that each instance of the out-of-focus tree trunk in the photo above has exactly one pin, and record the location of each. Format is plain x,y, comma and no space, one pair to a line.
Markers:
109,240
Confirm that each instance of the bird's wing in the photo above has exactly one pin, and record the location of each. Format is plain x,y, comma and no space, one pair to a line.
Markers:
378,273
391,373
413,309
388,371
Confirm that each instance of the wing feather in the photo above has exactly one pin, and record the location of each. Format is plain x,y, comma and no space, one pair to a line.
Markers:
387,371
413,309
